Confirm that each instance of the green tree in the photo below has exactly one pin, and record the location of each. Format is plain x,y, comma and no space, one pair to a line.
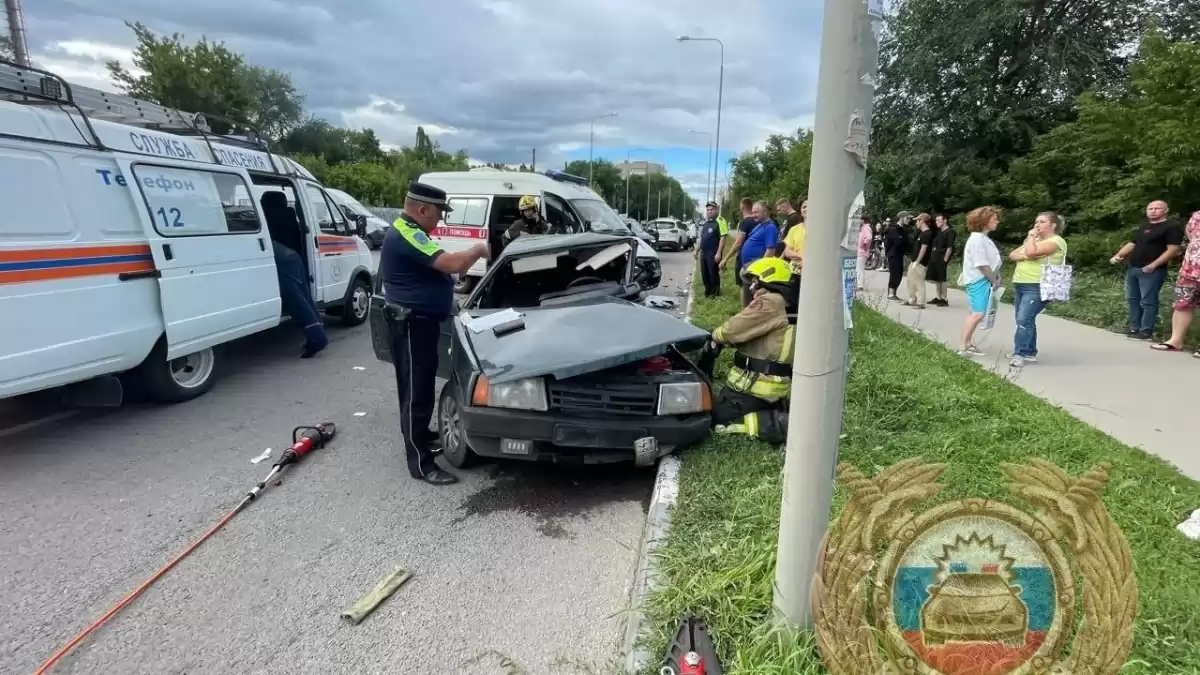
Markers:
369,183
277,107
777,170
606,178
204,77
1125,151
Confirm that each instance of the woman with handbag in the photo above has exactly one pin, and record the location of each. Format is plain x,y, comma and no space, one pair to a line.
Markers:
1187,290
1035,283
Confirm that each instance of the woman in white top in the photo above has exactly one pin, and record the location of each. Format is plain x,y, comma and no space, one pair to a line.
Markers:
980,272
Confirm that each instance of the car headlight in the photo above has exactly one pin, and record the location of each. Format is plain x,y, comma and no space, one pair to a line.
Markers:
684,398
527,394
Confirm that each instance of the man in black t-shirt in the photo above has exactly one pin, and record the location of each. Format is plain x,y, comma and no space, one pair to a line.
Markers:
791,217
916,271
943,249
1150,249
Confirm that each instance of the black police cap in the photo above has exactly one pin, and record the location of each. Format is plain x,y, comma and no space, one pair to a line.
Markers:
712,204
428,194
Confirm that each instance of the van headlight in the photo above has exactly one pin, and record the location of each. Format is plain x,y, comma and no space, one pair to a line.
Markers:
684,398
527,394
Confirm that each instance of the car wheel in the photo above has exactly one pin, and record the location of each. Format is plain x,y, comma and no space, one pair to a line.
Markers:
178,380
455,449
354,312
465,284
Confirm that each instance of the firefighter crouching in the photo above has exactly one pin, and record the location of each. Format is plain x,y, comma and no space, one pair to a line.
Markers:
754,400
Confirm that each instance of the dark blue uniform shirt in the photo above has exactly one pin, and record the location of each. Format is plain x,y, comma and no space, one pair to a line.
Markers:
710,236
409,278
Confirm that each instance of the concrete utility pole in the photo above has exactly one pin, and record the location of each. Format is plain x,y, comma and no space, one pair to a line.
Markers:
533,161
16,32
841,135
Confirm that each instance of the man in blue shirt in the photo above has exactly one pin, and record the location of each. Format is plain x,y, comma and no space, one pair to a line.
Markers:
415,272
759,243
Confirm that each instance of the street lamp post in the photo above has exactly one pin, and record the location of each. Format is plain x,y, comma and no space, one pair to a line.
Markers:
720,95
592,143
711,180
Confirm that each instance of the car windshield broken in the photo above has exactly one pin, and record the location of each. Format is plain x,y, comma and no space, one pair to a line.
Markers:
551,276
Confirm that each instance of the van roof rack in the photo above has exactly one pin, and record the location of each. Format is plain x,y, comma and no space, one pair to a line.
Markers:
33,86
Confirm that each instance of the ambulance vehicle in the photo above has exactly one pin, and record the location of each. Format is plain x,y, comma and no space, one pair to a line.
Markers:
133,243
485,205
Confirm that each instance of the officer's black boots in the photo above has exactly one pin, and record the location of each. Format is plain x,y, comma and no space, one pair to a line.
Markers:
439,477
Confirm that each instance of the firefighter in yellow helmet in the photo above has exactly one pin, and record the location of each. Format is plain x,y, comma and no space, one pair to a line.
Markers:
530,222
754,399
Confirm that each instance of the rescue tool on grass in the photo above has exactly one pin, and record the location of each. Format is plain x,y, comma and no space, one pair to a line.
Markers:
305,439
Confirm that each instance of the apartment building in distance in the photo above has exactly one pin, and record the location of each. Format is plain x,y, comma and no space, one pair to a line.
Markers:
640,168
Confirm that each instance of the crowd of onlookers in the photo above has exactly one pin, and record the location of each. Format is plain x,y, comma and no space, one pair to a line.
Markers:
1040,274
917,251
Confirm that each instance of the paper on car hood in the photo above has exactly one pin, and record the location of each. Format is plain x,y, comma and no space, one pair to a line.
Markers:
576,339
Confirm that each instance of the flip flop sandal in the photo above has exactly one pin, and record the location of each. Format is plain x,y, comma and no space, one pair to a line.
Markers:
1164,347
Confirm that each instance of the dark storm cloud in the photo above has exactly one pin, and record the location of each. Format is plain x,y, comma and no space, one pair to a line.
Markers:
497,77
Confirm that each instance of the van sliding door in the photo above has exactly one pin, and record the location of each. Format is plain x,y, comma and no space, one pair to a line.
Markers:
213,256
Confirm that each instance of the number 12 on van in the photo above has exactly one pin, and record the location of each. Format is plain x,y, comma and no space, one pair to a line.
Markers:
171,217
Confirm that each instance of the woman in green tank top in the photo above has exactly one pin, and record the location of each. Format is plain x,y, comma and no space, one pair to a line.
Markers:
1043,246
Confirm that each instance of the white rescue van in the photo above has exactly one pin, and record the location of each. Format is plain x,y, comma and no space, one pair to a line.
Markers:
485,205
131,245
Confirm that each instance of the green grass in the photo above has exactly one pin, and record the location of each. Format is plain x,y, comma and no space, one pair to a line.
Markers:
1098,299
910,398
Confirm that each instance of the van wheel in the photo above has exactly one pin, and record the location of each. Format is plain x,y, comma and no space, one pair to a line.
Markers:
177,380
465,284
451,430
354,312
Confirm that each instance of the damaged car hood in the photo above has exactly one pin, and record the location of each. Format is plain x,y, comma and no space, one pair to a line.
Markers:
580,338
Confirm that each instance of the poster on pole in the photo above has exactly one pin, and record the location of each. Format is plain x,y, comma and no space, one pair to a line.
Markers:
850,237
849,283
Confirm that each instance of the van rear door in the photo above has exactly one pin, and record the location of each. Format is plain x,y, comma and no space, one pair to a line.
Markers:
214,259
466,226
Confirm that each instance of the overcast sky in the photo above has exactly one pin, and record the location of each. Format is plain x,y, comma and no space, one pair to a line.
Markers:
494,77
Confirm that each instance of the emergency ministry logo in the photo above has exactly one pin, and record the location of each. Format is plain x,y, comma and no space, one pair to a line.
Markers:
976,586
421,238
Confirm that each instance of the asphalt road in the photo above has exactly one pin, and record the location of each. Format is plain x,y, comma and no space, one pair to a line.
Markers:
516,561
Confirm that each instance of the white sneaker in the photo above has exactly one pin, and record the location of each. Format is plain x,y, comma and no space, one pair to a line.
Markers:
1017,362
1030,359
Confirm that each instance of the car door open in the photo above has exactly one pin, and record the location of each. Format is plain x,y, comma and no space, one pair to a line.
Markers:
213,257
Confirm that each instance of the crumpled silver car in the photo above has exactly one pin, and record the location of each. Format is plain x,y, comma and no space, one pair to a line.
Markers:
548,359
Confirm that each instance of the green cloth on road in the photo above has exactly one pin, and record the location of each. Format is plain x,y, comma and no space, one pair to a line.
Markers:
382,591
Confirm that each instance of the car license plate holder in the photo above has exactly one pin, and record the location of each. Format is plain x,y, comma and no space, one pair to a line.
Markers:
516,446
578,436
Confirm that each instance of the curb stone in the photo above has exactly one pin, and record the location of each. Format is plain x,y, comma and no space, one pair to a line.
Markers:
658,520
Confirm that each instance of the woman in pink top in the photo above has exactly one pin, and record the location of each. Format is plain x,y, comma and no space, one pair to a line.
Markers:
1187,290
865,236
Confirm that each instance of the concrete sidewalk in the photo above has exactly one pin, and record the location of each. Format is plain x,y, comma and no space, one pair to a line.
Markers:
1139,396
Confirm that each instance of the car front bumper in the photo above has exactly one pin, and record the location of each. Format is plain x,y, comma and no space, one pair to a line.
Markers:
567,439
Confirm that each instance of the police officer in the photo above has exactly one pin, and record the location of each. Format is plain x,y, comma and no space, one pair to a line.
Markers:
754,399
416,276
530,222
711,249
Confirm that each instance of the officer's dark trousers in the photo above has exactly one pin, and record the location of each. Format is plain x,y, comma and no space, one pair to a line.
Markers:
415,355
296,296
710,273
895,273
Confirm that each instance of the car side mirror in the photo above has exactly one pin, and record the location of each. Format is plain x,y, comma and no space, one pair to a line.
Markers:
360,226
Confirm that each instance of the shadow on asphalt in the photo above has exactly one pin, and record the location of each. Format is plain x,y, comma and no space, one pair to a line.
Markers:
554,495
